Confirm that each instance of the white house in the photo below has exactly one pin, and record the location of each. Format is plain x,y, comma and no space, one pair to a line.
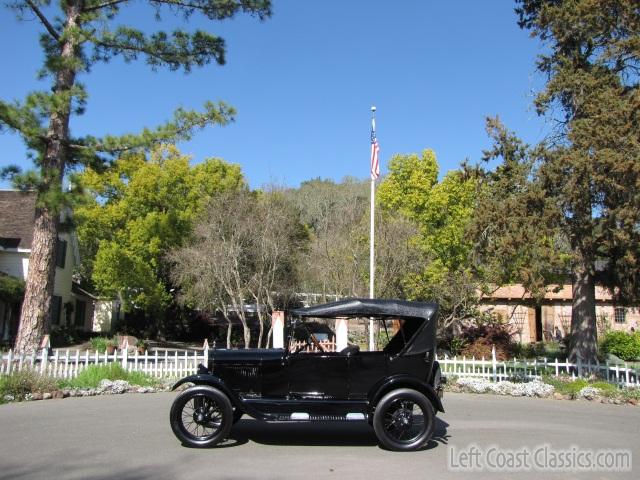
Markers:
71,305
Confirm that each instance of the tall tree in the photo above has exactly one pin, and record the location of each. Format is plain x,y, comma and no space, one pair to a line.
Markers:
337,258
136,211
336,215
276,245
212,270
591,168
243,251
77,35
515,228
442,211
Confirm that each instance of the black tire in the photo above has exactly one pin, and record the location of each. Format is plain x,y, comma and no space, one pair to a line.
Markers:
404,420
201,416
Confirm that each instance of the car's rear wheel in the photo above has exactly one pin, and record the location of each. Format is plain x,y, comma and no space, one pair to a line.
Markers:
404,420
201,416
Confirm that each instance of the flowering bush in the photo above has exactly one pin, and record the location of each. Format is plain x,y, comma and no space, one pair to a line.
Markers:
589,393
474,385
535,388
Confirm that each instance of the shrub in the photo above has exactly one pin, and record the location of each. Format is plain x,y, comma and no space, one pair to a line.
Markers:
483,347
606,389
482,337
622,344
19,384
63,336
571,388
631,393
457,345
11,289
101,343
538,349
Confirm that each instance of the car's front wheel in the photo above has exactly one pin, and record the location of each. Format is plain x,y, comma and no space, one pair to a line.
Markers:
201,416
404,420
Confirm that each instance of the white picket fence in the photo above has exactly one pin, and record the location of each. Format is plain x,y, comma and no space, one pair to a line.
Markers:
303,346
498,370
68,364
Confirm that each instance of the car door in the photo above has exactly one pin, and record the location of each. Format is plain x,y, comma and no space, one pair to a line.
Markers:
274,379
318,375
366,369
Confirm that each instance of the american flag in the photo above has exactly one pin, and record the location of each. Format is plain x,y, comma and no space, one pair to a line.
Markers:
375,148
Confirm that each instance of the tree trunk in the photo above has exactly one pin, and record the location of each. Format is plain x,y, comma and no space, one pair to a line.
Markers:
42,265
583,340
34,318
261,331
229,334
269,334
247,335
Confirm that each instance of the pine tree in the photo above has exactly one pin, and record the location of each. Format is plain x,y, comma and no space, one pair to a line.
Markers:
79,34
591,167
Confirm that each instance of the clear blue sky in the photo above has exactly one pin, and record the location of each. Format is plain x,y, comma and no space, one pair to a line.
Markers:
304,80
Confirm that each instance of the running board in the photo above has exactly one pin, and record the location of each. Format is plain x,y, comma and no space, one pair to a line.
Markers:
305,417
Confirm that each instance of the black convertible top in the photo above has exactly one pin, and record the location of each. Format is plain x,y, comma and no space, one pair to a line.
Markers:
369,307
421,314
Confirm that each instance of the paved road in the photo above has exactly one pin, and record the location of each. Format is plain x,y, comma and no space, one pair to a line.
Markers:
128,437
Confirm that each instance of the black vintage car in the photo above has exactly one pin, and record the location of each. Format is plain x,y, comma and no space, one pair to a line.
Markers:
398,390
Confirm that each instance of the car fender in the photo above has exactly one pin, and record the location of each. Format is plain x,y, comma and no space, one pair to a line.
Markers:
404,381
213,381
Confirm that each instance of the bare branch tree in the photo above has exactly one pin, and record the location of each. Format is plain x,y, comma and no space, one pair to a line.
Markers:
243,251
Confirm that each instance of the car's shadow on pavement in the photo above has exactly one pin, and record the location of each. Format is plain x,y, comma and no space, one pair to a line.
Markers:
317,434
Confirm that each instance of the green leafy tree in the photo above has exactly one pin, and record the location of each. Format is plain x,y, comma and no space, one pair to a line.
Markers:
441,209
442,212
138,210
77,34
407,186
590,169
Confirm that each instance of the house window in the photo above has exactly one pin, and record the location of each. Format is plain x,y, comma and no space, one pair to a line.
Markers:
61,252
81,309
56,309
620,314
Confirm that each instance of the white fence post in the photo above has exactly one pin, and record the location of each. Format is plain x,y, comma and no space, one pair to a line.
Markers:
43,361
10,360
493,363
125,355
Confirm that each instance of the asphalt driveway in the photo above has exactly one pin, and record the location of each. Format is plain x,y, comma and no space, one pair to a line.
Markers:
128,437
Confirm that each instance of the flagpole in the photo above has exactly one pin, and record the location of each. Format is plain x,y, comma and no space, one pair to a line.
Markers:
372,265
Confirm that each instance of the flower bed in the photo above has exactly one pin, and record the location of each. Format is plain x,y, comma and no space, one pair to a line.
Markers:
529,389
562,388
